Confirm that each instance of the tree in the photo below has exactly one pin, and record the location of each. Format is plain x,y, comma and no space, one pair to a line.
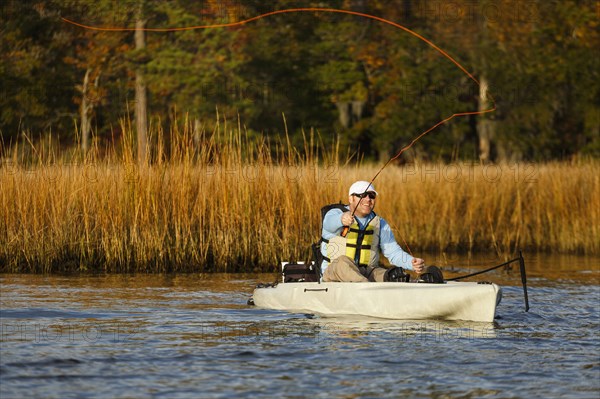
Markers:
96,56
537,59
37,86
141,104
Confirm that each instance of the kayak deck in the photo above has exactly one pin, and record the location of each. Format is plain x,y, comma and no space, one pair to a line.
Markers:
406,301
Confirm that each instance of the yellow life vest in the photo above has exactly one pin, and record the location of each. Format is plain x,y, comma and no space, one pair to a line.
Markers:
364,241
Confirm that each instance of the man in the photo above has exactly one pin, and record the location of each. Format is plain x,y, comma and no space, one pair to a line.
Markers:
352,237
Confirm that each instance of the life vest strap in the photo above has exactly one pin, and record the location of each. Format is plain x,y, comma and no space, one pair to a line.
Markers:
362,231
359,246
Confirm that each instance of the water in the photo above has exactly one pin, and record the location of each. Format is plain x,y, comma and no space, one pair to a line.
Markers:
193,336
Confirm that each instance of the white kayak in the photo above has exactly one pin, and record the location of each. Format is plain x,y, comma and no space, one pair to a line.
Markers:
451,300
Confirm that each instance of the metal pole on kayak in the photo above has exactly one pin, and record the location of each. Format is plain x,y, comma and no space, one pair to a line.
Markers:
524,280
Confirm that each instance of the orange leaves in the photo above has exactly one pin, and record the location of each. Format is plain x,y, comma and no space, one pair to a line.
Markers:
371,56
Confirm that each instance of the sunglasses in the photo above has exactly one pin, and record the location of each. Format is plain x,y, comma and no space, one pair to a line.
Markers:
369,194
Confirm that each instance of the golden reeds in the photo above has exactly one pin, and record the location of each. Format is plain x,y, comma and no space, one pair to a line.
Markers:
227,203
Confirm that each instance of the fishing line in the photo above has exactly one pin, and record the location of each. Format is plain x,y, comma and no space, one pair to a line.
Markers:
396,25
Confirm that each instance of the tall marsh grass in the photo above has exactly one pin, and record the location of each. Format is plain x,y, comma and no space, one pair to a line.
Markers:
230,204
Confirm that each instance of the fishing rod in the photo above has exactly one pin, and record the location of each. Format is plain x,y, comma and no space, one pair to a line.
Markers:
485,95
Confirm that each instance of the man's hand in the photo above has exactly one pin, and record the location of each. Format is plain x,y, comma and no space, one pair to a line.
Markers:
418,265
347,218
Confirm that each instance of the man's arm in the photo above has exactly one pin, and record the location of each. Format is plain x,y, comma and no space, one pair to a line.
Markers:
332,223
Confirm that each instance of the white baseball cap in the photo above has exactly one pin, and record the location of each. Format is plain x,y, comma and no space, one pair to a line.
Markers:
360,187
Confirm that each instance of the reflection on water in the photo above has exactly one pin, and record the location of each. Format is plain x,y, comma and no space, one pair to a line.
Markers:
194,336
406,329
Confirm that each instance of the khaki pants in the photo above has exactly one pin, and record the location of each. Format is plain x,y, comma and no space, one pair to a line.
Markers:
343,269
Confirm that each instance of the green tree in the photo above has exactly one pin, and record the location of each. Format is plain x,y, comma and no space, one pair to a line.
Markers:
538,60
97,57
37,86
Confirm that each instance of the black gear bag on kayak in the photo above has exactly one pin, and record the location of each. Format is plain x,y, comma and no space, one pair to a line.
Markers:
300,272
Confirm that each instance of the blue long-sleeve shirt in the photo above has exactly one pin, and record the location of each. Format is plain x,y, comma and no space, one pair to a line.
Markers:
332,226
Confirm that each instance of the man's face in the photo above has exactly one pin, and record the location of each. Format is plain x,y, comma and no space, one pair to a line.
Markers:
363,206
